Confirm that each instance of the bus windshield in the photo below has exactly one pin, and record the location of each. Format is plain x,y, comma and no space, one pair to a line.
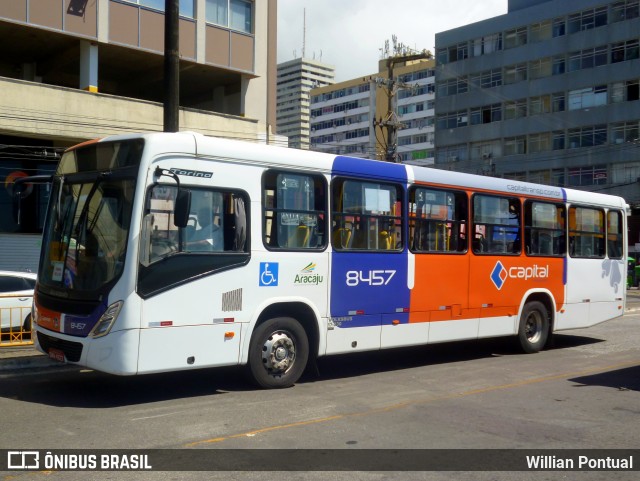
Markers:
89,217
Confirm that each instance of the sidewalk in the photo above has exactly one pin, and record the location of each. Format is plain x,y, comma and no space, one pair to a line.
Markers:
25,357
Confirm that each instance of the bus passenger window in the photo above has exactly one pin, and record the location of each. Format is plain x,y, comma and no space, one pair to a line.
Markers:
366,216
294,211
497,222
614,235
437,221
586,233
544,233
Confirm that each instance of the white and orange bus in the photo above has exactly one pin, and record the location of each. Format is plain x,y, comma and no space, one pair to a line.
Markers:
164,252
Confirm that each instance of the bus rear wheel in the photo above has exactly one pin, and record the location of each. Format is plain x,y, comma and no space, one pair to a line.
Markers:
533,329
278,353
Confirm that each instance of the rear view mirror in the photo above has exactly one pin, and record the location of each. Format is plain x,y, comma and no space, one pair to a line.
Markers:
182,208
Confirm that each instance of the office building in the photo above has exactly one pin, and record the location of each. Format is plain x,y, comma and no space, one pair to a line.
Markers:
295,80
73,70
548,92
347,118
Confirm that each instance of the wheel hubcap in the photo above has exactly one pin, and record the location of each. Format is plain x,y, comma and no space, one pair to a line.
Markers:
533,327
278,353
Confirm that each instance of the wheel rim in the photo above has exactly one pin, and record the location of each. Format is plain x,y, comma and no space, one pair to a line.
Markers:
278,353
533,327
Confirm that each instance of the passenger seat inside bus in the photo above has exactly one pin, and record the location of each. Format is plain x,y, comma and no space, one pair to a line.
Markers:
342,237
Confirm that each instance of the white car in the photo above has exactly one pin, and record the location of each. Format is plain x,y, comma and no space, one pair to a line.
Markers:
16,297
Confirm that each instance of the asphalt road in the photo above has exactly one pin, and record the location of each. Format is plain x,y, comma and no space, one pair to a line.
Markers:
583,393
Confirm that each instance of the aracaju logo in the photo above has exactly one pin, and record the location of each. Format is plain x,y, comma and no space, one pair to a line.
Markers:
307,275
500,273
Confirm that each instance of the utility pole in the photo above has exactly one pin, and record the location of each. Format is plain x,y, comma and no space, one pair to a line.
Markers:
171,66
390,122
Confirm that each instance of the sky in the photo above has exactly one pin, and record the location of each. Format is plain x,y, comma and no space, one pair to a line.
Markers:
350,34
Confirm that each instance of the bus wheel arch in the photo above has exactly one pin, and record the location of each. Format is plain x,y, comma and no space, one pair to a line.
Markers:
283,341
535,323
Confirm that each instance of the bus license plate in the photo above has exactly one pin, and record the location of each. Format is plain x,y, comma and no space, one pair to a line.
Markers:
56,354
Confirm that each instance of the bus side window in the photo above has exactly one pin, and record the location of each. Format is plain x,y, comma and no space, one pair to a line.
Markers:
586,233
497,222
544,229
366,216
437,220
294,210
614,235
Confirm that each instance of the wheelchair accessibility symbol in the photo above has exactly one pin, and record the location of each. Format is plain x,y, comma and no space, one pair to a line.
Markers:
268,274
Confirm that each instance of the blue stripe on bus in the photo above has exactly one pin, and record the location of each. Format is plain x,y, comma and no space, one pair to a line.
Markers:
369,288
352,166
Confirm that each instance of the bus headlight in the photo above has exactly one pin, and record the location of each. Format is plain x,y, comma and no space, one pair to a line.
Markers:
107,320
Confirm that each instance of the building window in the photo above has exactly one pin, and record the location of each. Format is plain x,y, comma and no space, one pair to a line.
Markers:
515,109
486,150
559,27
588,19
453,86
626,10
539,142
585,176
515,145
186,8
540,68
451,153
515,37
625,132
453,120
540,31
623,51
588,58
558,140
558,67
486,114
235,14
540,105
515,73
558,102
588,97
487,79
587,136
486,45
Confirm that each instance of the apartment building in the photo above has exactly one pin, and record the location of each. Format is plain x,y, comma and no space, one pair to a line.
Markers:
548,92
347,118
73,70
296,78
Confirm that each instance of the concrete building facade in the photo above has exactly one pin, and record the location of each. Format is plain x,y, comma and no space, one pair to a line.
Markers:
296,78
73,70
346,117
548,93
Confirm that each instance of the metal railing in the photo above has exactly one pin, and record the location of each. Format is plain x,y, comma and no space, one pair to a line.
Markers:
15,321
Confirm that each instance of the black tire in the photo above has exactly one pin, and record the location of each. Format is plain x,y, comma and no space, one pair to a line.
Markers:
533,329
26,326
278,353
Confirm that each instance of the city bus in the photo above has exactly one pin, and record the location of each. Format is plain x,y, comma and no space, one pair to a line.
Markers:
173,251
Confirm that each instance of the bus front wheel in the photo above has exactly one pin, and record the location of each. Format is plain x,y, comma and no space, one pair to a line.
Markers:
278,353
533,329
